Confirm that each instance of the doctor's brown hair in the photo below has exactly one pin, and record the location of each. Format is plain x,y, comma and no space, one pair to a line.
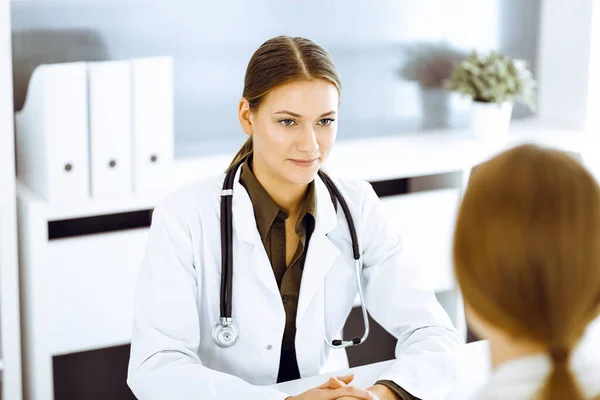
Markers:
281,60
527,252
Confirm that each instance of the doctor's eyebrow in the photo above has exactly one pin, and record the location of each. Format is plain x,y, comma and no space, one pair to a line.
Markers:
293,114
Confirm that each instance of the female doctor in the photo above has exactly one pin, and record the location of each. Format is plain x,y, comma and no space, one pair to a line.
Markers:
248,278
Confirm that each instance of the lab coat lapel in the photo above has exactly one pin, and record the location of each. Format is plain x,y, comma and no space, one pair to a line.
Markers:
321,253
244,226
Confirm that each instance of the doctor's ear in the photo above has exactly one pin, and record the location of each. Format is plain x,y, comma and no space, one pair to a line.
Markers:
245,116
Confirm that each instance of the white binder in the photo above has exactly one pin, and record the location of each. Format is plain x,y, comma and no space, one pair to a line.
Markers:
109,85
152,123
52,133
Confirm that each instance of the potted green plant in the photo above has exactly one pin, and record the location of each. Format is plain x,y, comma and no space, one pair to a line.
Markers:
430,65
494,82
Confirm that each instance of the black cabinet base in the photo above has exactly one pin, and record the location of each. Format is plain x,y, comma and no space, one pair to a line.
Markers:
92,375
380,346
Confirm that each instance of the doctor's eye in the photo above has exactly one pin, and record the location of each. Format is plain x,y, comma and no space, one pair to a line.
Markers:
326,121
287,122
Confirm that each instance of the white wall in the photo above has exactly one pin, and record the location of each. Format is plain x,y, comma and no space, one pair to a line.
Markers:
6,110
593,105
212,41
9,305
568,63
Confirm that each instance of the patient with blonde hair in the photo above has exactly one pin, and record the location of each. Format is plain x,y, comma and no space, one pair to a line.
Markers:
527,259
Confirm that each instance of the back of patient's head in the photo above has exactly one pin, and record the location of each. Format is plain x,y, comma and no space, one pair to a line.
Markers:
527,252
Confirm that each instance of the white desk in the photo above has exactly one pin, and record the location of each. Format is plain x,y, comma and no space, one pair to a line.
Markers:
473,372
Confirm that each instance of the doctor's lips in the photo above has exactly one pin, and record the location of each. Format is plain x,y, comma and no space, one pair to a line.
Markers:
303,163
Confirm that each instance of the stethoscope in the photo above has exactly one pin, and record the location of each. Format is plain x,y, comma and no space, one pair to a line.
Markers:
226,332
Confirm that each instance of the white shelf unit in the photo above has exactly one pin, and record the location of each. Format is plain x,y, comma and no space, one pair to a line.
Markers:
10,337
77,291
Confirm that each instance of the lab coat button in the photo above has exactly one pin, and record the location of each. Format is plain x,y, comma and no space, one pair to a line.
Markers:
269,347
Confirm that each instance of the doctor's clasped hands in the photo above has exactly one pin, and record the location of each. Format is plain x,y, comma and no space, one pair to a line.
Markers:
339,388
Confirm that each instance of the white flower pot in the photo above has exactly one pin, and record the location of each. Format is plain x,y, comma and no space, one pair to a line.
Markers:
435,108
490,121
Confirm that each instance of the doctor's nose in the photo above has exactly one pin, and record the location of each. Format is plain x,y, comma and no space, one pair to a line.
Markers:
307,142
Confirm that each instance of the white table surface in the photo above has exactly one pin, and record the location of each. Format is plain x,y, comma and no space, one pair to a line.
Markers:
473,372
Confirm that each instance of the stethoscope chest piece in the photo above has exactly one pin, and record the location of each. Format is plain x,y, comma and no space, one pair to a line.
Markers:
225,333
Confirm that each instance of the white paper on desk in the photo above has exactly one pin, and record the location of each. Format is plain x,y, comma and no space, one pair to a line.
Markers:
152,86
52,132
109,84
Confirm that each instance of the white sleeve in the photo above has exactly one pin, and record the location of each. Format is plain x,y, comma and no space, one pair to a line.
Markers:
404,304
164,363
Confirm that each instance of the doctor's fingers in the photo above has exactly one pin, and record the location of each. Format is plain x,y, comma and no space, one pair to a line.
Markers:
336,382
348,393
373,397
332,383
346,379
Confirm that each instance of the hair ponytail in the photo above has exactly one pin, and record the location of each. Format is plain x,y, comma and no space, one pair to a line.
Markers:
561,383
243,152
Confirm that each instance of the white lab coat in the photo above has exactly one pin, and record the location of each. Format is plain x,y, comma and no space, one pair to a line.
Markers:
177,300
522,378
